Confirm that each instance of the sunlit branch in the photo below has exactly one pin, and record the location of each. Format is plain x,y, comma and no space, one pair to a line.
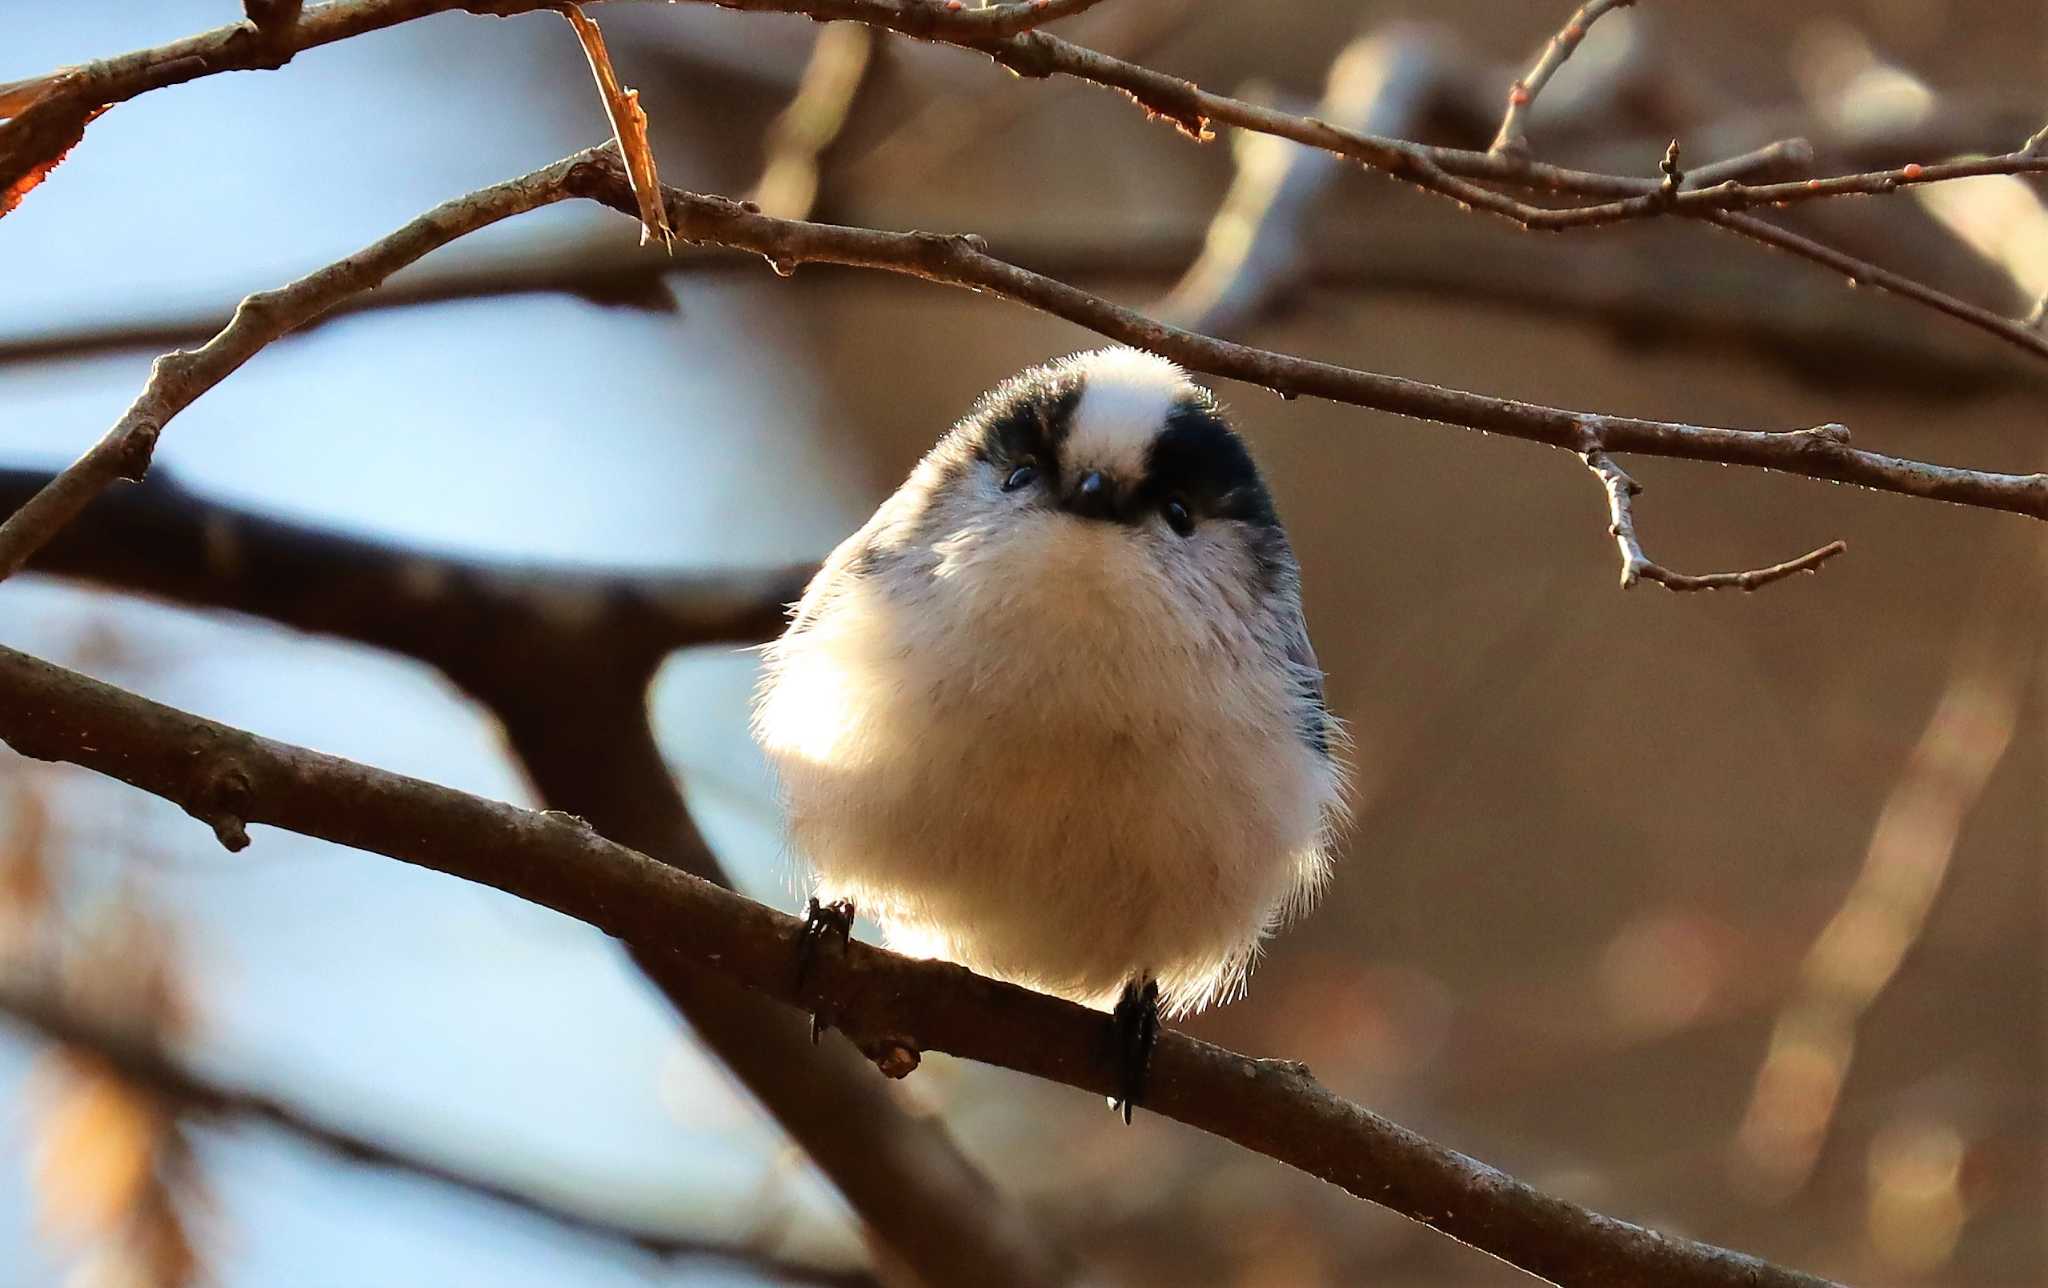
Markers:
894,1007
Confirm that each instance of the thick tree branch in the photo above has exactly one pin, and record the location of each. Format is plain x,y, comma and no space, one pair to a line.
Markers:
583,737
457,614
562,658
894,1006
145,1063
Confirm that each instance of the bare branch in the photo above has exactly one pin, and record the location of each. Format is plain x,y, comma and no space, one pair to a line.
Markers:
160,539
1006,33
1801,326
143,1062
562,658
274,35
1778,157
1863,273
1635,565
177,379
952,21
891,1005
1513,138
53,120
964,261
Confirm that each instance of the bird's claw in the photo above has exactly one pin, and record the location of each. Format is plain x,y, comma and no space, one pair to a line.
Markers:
1134,1027
821,921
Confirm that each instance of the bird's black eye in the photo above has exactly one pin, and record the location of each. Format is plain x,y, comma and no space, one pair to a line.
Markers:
1177,517
1020,477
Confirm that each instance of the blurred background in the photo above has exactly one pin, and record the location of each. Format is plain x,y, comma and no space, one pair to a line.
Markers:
1723,913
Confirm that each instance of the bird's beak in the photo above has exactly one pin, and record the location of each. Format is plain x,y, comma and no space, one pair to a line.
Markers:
1092,498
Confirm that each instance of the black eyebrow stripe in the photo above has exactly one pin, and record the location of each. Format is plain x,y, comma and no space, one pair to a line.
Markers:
1197,455
1056,416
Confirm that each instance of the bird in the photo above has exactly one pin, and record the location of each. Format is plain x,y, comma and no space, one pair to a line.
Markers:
1052,713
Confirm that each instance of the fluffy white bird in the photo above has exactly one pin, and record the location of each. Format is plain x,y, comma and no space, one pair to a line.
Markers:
1052,712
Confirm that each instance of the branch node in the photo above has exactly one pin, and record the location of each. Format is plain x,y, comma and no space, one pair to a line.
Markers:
222,804
1030,55
138,447
1822,437
1674,177
273,21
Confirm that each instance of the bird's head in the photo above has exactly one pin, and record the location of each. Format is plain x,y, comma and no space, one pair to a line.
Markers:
1118,441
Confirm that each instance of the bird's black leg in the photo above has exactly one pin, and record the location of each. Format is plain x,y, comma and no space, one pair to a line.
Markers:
821,920
1135,1027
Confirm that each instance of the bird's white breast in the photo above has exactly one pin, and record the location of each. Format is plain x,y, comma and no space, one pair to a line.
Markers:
1049,755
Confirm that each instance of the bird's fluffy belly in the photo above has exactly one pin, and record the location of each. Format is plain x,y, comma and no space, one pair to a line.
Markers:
1064,808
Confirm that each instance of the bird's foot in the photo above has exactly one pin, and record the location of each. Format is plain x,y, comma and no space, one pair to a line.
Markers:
1134,1028
821,921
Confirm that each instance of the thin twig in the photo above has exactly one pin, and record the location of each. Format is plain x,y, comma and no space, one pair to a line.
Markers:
180,377
146,1063
1638,566
1513,137
1803,328
964,261
1863,273
1007,34
892,1006
1777,157
952,21
50,122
